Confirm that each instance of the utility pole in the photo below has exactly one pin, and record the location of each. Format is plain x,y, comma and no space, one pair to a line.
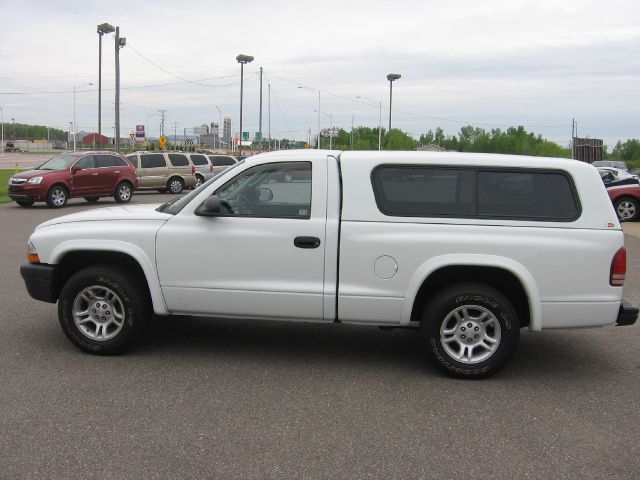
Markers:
162,115
175,134
269,116
352,119
260,123
120,42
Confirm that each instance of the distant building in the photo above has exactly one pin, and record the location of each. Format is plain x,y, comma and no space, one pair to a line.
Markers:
430,148
95,139
201,130
588,149
226,131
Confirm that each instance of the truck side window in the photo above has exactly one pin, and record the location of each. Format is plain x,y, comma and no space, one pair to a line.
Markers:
273,190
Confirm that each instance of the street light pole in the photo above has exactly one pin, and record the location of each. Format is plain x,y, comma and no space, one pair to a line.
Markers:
391,77
2,120
242,59
102,29
75,129
120,42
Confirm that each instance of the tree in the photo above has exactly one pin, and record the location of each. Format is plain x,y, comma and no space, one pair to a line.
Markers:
628,151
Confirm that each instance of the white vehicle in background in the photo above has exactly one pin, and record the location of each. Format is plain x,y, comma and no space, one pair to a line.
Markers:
467,248
616,176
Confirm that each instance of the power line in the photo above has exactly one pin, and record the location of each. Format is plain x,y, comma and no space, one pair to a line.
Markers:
420,115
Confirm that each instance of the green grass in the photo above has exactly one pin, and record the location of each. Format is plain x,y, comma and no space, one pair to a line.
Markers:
4,178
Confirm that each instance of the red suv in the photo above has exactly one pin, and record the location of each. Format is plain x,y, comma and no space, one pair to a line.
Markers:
89,174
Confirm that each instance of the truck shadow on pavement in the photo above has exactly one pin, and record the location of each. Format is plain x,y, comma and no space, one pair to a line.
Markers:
539,355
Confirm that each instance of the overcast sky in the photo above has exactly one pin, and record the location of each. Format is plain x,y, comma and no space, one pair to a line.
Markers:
491,63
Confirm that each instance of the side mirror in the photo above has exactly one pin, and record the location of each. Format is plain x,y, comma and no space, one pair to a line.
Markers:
75,169
210,207
265,194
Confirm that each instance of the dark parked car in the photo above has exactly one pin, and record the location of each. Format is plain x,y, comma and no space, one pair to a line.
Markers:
88,174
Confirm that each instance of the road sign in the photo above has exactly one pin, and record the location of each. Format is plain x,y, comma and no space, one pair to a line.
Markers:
132,134
139,131
163,141
245,135
329,132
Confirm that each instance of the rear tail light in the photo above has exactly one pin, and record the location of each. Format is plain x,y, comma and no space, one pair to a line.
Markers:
193,170
618,268
211,168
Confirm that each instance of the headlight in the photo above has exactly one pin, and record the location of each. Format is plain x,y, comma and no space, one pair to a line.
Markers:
32,254
35,180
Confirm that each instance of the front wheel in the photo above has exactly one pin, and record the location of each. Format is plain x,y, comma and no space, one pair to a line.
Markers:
627,209
199,181
57,197
469,330
123,192
103,310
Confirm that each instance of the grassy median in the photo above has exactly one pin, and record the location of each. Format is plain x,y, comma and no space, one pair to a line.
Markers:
4,178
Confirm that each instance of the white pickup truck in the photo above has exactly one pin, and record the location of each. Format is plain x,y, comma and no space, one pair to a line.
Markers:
468,247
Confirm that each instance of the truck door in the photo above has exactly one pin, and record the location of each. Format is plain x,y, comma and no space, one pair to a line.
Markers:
263,258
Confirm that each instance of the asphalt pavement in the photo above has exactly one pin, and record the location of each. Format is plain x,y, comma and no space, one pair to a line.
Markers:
211,398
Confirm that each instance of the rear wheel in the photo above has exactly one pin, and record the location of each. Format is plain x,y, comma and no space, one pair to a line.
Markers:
469,330
57,197
92,199
24,203
103,310
123,192
175,185
199,181
627,209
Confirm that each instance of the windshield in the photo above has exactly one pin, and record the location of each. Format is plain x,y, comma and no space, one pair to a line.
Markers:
174,205
61,162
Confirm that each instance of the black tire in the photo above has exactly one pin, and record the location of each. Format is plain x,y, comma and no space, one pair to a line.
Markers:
25,203
199,181
57,196
123,295
627,209
92,199
489,315
175,185
123,192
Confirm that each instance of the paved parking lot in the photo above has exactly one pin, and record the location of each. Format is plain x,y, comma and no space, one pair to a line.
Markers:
204,398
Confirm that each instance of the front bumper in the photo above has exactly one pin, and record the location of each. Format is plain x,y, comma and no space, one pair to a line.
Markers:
628,313
40,281
23,192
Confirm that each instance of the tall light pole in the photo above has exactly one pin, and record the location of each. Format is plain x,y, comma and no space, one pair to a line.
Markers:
102,29
318,138
120,42
379,120
330,127
391,77
2,120
75,129
242,59
14,130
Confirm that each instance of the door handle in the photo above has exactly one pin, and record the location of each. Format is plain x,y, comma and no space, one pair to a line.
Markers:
117,171
306,242
94,174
